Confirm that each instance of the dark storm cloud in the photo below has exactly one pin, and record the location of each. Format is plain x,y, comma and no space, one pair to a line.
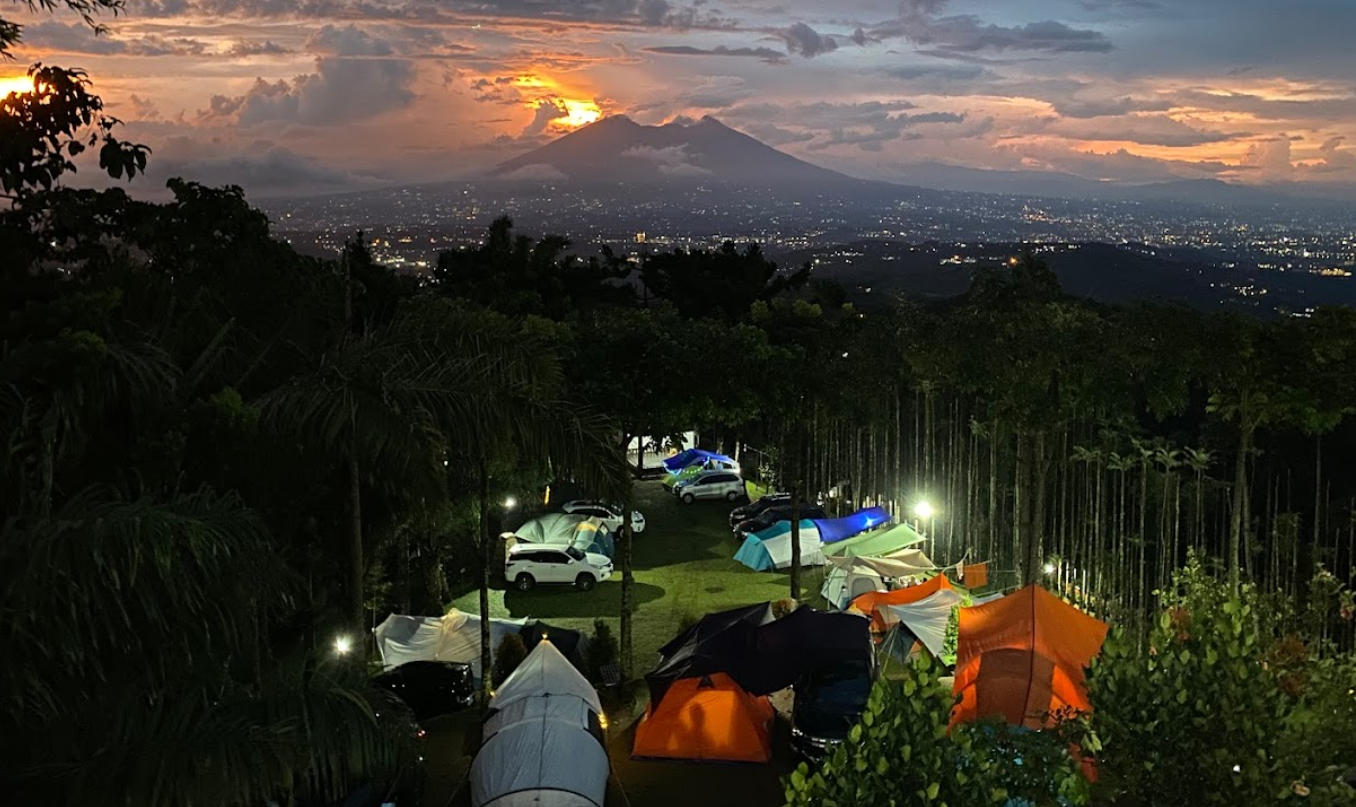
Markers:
79,38
351,84
1107,107
766,54
654,13
919,21
801,38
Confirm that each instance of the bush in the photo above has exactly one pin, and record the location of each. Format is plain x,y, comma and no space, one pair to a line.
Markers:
507,657
901,753
602,650
1198,718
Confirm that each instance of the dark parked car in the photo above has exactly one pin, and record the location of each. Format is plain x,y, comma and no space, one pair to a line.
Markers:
829,702
430,688
772,515
744,512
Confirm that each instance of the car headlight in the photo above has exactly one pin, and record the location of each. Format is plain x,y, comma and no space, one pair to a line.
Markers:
797,733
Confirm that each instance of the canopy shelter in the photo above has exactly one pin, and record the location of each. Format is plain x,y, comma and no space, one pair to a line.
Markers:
1023,657
565,529
455,636
543,743
850,577
927,619
771,548
833,530
736,658
875,543
873,603
693,456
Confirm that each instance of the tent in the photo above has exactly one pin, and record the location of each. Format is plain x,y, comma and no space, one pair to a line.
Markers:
583,533
877,542
719,642
927,619
851,577
1023,656
833,530
873,602
708,718
455,636
771,548
786,649
572,644
543,742
693,456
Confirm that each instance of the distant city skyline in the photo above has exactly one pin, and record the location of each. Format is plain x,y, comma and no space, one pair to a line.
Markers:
306,95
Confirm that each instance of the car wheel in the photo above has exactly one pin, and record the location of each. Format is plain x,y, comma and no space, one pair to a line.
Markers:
524,582
585,582
688,498
732,496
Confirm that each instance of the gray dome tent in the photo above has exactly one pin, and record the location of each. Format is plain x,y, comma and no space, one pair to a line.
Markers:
543,743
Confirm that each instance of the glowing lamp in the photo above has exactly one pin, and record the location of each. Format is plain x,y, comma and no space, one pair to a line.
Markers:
923,510
343,645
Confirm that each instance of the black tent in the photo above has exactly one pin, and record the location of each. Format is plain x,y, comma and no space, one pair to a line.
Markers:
802,640
719,642
761,654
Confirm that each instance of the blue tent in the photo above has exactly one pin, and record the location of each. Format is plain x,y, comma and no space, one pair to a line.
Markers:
599,542
832,530
692,456
771,548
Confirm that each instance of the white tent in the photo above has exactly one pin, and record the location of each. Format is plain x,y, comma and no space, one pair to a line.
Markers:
454,636
851,577
926,619
540,747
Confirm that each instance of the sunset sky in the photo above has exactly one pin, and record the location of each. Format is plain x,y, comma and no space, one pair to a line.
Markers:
329,94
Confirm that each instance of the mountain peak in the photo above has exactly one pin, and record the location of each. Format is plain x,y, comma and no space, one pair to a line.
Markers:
617,149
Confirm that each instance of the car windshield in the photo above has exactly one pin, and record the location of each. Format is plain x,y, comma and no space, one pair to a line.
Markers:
575,553
841,688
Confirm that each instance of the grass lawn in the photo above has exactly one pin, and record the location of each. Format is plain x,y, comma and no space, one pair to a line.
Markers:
684,564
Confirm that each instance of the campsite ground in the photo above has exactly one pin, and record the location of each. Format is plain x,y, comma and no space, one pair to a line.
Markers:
683,565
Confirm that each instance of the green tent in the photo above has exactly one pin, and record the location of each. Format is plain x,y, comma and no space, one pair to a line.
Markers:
877,542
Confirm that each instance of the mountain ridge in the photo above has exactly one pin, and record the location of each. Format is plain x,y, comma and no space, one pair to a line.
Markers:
617,148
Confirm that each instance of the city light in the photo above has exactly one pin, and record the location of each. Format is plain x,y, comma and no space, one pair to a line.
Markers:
343,645
923,510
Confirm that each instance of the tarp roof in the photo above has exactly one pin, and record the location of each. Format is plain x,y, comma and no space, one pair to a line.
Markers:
871,603
454,636
719,642
926,619
1024,655
904,563
692,456
833,530
877,542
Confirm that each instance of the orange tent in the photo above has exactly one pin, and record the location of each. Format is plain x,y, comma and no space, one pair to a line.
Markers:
870,603
708,718
1023,656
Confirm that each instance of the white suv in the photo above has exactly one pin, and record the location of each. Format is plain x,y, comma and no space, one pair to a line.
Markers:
530,564
711,485
609,515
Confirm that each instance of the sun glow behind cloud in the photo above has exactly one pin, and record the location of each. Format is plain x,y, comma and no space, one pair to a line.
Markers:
578,113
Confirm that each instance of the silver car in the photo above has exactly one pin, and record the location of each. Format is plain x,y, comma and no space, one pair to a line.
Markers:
711,485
